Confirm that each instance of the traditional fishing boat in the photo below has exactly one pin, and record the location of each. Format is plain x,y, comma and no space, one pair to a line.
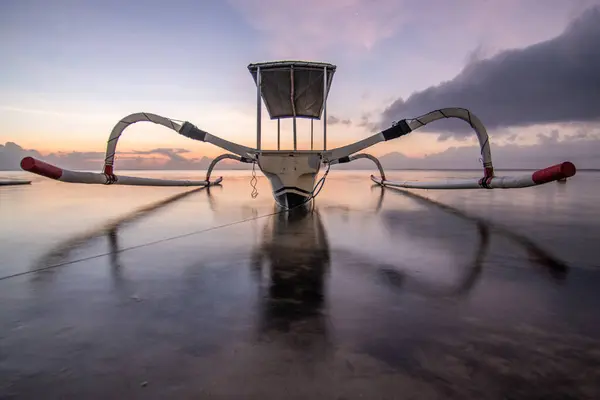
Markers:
292,90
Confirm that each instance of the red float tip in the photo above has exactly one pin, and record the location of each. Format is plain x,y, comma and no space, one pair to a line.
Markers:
554,173
27,162
41,168
568,169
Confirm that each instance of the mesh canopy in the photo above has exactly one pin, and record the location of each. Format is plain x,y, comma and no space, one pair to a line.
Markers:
293,88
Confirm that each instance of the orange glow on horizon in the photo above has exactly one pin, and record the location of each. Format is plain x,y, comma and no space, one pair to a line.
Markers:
146,137
416,146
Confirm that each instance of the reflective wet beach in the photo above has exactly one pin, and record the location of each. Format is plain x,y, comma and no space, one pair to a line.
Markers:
374,294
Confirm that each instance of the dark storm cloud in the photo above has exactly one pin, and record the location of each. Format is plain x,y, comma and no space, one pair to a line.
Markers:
365,122
549,82
551,138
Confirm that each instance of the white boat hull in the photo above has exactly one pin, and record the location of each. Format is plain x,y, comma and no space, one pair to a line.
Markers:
292,175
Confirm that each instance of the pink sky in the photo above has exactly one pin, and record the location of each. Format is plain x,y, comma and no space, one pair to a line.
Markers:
74,70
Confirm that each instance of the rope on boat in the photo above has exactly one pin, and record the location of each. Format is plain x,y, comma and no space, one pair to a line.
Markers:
253,182
317,188
315,192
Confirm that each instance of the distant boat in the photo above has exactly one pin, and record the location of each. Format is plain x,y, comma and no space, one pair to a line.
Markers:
10,182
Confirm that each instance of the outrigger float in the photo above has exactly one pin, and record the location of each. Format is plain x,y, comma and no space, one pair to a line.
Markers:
298,89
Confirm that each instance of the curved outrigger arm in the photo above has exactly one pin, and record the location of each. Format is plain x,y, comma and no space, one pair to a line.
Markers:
489,180
406,126
353,157
108,177
223,157
186,129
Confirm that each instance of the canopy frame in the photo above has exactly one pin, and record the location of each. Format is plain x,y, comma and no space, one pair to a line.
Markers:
288,91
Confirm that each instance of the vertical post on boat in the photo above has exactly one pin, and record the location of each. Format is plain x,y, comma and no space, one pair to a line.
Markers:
258,108
292,96
311,133
295,144
278,133
325,108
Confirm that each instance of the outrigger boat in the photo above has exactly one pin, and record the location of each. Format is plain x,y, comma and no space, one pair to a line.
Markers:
299,89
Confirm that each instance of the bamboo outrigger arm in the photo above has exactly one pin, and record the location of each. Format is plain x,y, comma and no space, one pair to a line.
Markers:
108,177
488,181
356,157
406,126
186,129
223,157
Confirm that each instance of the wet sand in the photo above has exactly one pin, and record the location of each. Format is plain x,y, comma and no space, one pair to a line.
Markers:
374,293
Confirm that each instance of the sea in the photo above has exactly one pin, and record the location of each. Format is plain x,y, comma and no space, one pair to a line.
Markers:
369,293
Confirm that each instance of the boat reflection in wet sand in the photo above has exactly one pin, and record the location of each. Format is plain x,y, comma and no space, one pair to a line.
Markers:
291,264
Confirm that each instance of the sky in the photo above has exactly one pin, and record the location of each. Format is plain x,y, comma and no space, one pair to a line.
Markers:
71,69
